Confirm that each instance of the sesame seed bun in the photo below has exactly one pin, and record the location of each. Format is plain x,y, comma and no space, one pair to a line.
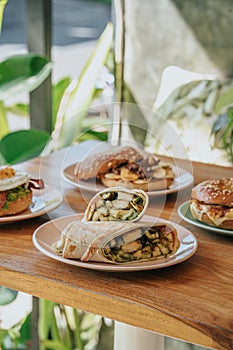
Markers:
212,202
218,191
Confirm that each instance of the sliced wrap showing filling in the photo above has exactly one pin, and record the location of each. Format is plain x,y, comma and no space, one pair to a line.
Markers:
117,204
117,242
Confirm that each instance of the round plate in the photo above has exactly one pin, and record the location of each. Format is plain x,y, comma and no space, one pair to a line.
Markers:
182,181
43,201
43,242
185,213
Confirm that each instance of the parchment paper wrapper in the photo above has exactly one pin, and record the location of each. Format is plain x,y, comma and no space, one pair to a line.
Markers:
117,204
117,242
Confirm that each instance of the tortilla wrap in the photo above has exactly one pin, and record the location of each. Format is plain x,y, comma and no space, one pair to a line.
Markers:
117,242
117,204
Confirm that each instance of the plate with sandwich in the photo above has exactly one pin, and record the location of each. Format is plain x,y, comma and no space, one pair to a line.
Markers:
129,168
211,206
22,197
147,244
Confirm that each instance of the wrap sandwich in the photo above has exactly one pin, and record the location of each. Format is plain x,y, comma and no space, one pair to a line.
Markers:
117,242
117,204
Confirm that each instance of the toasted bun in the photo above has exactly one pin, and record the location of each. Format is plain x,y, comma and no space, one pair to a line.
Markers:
17,206
152,185
219,191
96,164
212,202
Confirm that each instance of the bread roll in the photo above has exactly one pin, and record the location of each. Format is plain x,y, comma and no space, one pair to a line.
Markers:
126,167
212,202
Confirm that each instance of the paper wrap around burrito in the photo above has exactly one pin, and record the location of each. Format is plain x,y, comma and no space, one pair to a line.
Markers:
89,241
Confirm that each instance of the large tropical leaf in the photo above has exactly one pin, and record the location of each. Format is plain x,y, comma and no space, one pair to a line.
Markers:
79,94
22,145
22,73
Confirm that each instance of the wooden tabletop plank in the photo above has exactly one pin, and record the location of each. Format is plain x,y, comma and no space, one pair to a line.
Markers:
191,301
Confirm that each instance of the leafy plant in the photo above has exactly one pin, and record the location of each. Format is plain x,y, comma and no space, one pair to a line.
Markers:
18,336
196,110
71,100
69,328
222,132
79,95
20,73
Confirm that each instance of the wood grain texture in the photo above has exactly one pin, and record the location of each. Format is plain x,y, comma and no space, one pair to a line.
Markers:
191,301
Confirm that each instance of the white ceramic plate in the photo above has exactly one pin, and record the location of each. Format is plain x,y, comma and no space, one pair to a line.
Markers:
183,180
185,213
43,201
43,242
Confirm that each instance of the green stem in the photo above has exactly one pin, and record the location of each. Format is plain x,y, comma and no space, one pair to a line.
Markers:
4,127
77,332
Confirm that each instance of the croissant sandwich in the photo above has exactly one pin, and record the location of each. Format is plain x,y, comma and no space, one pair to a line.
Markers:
126,167
116,242
117,204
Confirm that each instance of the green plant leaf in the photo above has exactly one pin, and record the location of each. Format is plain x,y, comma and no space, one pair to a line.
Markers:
78,95
225,99
58,92
7,295
4,129
25,329
218,130
44,323
2,8
22,145
22,73
93,135
55,345
134,116
19,109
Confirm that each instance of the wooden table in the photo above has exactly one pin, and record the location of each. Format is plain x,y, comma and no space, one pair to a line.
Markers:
191,301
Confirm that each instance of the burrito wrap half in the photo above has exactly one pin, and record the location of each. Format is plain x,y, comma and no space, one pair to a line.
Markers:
116,242
117,204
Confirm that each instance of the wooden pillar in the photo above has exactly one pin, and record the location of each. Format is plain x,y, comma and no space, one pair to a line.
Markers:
39,38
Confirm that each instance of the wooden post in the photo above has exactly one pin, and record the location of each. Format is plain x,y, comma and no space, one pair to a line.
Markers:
39,38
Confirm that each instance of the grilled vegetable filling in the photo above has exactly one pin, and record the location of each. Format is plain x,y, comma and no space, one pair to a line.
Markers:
141,243
116,206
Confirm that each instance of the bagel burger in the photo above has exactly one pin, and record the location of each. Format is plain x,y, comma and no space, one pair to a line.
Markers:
128,168
212,202
15,190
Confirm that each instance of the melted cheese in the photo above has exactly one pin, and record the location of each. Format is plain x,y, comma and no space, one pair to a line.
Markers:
200,209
